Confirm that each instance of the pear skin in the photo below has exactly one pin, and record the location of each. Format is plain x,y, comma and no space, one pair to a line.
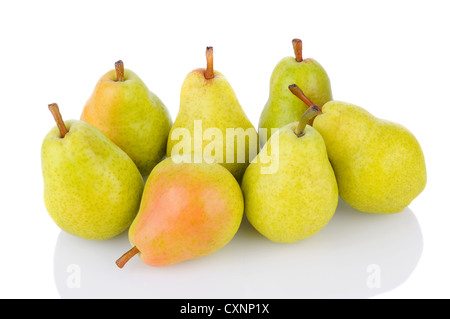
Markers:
207,98
188,210
300,198
131,116
282,107
92,189
380,166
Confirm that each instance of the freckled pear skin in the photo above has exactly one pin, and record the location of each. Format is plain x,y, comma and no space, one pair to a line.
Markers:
188,210
282,107
300,198
92,189
379,165
212,100
131,116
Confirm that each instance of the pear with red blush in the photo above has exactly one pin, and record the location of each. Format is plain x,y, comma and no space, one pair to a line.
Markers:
188,210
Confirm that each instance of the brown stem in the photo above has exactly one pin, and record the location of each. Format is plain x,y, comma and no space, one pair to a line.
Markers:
209,72
309,114
299,93
126,257
120,70
297,43
54,109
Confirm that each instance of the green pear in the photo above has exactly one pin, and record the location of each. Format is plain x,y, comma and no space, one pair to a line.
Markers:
212,122
131,116
297,197
188,210
92,189
379,164
282,107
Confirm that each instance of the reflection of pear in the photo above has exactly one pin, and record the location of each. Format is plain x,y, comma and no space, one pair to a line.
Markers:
338,263
356,256
282,107
207,98
92,189
131,116
379,165
300,198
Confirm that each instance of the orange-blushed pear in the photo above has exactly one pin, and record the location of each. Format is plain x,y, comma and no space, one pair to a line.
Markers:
188,210
130,115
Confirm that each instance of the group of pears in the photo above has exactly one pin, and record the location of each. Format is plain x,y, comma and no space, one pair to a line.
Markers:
116,169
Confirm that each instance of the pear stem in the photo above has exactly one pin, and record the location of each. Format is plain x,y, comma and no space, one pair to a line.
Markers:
54,109
126,257
209,72
298,48
120,70
309,114
299,93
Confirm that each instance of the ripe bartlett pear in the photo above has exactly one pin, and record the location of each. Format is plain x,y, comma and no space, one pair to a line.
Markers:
188,210
379,164
282,107
92,189
299,198
212,122
130,115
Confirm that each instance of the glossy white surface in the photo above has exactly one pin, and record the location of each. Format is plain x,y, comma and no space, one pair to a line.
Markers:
355,256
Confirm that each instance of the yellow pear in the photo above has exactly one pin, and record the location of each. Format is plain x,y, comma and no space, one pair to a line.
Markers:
298,196
379,165
211,121
282,107
92,189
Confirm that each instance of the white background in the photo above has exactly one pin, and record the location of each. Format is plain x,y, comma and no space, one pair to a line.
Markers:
391,57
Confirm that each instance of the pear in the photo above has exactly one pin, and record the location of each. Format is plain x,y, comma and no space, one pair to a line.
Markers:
282,107
299,197
130,115
379,165
188,210
212,122
92,189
